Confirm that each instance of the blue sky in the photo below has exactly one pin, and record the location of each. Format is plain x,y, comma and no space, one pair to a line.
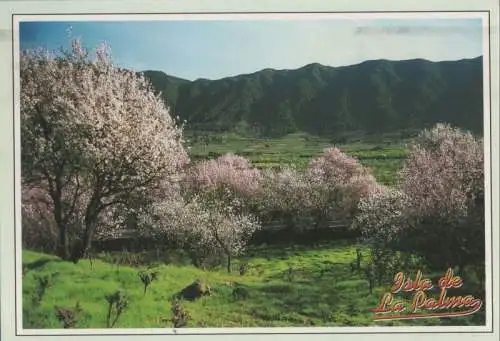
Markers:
214,49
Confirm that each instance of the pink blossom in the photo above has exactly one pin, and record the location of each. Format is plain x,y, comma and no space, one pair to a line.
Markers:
231,171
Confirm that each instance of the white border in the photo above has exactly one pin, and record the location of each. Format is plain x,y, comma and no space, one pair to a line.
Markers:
254,16
348,333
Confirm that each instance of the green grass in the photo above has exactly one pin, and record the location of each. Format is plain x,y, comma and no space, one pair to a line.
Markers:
337,297
384,155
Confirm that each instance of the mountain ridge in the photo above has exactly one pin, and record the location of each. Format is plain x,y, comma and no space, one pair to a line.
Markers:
374,96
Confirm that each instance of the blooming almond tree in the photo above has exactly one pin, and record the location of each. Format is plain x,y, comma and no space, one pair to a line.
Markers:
381,220
338,182
224,228
95,137
229,171
284,190
443,179
437,213
204,226
286,195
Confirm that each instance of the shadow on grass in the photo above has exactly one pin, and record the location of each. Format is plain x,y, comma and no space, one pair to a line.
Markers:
325,271
310,297
39,263
287,250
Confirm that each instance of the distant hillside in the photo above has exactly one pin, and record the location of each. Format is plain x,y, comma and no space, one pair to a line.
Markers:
374,96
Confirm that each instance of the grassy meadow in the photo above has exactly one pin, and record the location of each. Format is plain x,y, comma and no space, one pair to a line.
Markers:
320,290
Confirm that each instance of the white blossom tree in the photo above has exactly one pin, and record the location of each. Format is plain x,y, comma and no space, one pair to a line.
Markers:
95,137
226,228
203,226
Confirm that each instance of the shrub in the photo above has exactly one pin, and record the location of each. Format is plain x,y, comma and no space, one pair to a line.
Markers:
68,316
42,284
117,303
290,274
180,317
370,274
147,277
243,269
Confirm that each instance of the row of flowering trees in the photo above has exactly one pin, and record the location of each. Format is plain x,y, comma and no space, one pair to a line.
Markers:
436,211
330,188
100,151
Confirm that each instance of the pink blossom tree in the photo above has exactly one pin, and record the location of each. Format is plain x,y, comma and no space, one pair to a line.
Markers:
94,137
286,195
228,172
284,190
443,179
329,189
338,182
438,210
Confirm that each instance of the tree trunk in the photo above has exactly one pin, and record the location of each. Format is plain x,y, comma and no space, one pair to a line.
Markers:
83,246
90,227
229,263
91,217
62,244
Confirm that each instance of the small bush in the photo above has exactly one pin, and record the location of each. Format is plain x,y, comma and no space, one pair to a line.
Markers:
240,293
243,269
42,284
147,277
353,266
359,259
117,303
180,317
68,316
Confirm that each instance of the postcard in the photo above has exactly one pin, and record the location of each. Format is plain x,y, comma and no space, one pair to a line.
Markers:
232,172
